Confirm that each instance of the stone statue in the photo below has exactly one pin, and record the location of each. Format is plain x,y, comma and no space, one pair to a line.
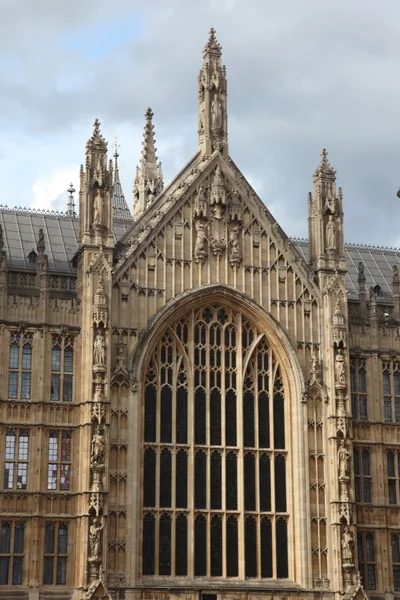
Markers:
347,546
343,459
95,539
340,369
199,248
216,114
98,449
330,234
98,208
99,350
202,111
151,188
234,242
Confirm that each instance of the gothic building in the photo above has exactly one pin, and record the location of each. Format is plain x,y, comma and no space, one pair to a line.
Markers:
192,404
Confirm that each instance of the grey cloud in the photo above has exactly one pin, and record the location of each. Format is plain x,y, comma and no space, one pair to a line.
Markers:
301,76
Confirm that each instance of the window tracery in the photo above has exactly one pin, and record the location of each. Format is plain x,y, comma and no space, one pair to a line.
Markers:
214,451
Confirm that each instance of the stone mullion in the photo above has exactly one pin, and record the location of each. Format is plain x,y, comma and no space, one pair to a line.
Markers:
191,451
223,446
240,441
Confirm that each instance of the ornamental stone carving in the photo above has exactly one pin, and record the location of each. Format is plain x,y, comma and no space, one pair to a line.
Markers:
98,448
343,460
98,209
95,539
200,251
235,254
340,369
99,350
347,547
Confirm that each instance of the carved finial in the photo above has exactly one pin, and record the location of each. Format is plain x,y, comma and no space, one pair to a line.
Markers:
116,146
148,182
324,167
309,198
71,202
212,44
120,206
97,140
40,245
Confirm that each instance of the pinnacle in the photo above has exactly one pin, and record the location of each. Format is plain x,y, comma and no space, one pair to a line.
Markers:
97,137
212,45
324,166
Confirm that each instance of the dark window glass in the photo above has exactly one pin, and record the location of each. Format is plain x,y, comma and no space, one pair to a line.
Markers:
216,547
5,540
150,416
181,479
165,478
266,548
149,530
263,420
164,566
265,482
149,484
181,545
230,418
181,416
248,419
216,481
280,484
200,546
249,482
215,417
231,481
17,570
281,549
49,539
231,547
200,479
19,532
200,417
250,547
166,414
279,421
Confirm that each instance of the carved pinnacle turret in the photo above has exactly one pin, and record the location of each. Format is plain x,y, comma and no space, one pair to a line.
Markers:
71,201
148,183
212,127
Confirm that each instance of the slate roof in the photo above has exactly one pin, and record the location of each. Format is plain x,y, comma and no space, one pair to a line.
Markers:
21,229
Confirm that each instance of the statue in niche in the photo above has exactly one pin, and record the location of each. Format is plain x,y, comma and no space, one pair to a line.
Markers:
201,237
95,539
98,449
98,208
347,546
340,369
216,113
343,459
330,234
151,189
99,350
201,116
234,243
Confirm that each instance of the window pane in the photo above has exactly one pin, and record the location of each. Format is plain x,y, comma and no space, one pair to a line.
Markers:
281,548
363,407
55,387
181,545
266,548
4,568
216,547
215,417
13,385
390,465
65,474
181,479
68,360
26,386
62,539
149,483
65,446
148,544
8,476
362,381
165,478
48,570
19,538
10,445
67,397
14,356
181,415
386,383
200,546
22,476
23,445
396,382
250,547
61,571
49,539
53,445
388,409
164,566
231,481
216,483
5,538
17,570
232,547
27,357
365,462
52,477
166,415
56,359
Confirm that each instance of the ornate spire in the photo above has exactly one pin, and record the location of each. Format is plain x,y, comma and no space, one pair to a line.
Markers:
71,201
120,206
149,179
324,167
97,141
212,99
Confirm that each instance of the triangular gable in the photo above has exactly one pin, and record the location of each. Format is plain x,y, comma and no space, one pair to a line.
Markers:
100,263
169,208
97,591
355,592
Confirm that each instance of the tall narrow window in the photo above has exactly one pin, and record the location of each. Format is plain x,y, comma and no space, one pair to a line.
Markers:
16,460
366,560
391,391
55,554
362,475
12,536
20,366
396,561
62,362
358,383
59,461
204,436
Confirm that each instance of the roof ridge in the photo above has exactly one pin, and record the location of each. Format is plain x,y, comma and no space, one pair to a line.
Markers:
355,245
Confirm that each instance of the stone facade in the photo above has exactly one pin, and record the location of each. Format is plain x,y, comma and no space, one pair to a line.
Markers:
188,405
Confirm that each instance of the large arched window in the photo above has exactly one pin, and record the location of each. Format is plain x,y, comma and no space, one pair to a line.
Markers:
214,458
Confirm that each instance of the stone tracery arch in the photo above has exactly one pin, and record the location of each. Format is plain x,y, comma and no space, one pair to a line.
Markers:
196,524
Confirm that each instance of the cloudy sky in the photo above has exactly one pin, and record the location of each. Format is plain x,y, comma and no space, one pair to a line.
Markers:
301,76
